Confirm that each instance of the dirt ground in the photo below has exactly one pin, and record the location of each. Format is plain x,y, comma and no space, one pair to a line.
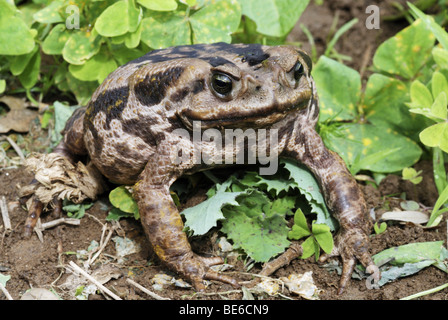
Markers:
35,264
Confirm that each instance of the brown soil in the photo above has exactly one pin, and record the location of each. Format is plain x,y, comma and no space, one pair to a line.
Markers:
33,264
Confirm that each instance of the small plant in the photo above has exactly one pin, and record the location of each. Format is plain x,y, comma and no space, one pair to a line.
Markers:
318,237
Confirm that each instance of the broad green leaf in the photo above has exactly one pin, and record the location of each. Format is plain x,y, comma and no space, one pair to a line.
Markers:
420,95
441,57
204,216
81,46
338,87
323,236
384,105
159,5
216,21
436,136
355,141
439,84
435,28
56,40
2,86
300,227
61,114
82,90
274,17
15,36
406,52
50,14
97,68
405,270
166,30
410,253
29,77
122,199
309,247
132,40
19,63
114,21
439,107
260,235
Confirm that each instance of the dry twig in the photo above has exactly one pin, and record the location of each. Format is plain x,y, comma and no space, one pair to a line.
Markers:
5,214
94,281
148,292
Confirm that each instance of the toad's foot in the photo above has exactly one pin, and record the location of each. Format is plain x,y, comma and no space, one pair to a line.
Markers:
352,245
196,269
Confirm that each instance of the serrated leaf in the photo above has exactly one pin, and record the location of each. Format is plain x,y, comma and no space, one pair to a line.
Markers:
260,235
339,89
216,21
274,17
275,184
406,52
204,216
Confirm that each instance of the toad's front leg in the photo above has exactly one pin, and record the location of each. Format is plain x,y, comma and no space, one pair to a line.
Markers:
343,197
163,226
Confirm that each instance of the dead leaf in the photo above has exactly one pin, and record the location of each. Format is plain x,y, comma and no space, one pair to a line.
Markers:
19,117
416,217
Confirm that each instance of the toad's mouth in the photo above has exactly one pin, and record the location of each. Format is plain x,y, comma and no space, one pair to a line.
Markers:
257,118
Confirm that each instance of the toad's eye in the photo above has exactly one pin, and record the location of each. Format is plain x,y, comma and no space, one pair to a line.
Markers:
299,70
222,84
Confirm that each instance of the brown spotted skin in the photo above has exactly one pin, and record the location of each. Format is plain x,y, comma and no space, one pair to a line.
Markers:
127,131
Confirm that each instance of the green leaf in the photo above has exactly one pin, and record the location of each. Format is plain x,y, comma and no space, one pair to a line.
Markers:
273,184
309,247
82,90
300,227
204,216
436,136
436,211
274,17
122,199
441,57
159,5
406,52
165,30
356,141
407,269
50,13
309,187
338,87
15,36
56,40
420,95
113,21
410,253
384,105
19,63
216,21
439,107
97,68
323,236
439,84
2,86
260,235
61,114
436,30
29,77
81,46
